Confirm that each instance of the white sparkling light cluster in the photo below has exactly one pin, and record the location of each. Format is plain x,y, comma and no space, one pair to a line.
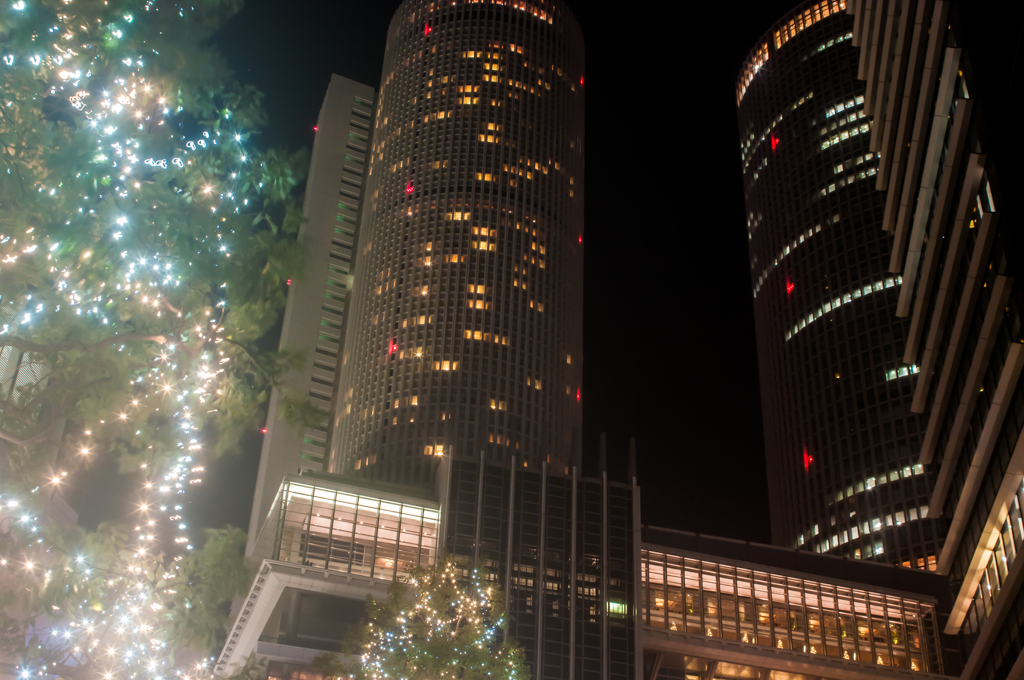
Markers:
115,623
440,613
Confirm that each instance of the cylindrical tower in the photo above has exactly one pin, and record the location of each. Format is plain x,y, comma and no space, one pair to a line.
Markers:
465,329
840,438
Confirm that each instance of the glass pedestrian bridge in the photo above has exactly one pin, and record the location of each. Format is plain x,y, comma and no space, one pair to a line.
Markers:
692,596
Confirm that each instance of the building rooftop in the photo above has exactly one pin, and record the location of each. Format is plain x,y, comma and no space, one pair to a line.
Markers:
427,494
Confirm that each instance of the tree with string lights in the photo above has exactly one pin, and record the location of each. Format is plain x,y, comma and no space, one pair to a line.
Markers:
446,622
146,244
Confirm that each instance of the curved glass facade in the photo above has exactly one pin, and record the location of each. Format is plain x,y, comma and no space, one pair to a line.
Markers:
840,437
465,327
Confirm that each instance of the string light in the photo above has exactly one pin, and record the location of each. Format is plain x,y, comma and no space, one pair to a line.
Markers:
137,302
448,623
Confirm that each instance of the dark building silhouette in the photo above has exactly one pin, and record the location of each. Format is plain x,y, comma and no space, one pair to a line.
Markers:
564,548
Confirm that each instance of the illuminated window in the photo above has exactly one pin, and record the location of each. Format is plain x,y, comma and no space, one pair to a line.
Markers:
446,365
750,69
845,299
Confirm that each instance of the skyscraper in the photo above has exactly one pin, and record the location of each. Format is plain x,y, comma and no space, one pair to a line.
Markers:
465,330
956,243
591,594
840,437
314,319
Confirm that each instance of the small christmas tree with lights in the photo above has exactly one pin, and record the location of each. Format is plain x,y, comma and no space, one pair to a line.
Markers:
447,622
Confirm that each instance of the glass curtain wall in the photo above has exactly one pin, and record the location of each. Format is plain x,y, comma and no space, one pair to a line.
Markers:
1004,553
349,532
695,597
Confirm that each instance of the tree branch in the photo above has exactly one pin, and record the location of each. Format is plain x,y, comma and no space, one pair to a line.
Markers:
172,307
7,151
79,669
38,437
55,417
19,414
29,346
24,413
255,363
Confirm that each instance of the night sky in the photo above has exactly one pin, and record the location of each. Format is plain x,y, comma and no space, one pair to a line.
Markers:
669,348
669,353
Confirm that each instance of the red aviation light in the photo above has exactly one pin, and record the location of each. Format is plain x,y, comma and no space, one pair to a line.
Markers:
775,142
577,394
807,459
289,282
427,30
315,128
264,430
581,81
789,286
393,346
408,188
581,238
